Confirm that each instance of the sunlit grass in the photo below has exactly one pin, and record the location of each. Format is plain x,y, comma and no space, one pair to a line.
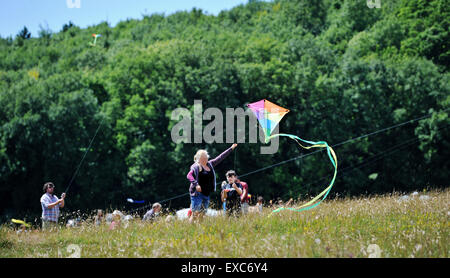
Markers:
336,228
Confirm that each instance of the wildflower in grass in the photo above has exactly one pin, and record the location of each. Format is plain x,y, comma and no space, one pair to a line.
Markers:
418,247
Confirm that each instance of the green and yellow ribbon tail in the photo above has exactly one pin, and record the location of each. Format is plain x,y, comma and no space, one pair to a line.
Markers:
331,154
21,222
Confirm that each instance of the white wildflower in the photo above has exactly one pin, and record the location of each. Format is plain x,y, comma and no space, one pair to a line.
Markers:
418,247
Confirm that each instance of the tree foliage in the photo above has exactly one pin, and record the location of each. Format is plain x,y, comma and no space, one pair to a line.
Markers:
343,70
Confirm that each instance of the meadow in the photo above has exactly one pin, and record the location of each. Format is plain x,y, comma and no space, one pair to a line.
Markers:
376,226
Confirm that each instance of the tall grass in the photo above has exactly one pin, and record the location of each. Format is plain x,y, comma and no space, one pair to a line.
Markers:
337,228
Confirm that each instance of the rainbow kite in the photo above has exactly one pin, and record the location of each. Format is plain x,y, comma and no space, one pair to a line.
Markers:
269,115
95,39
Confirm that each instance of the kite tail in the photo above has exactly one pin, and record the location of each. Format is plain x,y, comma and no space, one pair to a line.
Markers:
331,154
20,222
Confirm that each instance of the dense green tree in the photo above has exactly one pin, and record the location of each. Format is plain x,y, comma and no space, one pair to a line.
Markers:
24,33
343,69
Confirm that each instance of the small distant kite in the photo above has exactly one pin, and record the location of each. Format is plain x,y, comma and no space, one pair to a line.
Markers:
20,222
269,115
129,200
95,39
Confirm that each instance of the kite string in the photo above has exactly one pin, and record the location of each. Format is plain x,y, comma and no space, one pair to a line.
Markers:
344,142
378,156
310,205
163,201
234,163
375,158
84,155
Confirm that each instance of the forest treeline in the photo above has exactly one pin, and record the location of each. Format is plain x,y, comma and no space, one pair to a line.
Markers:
341,68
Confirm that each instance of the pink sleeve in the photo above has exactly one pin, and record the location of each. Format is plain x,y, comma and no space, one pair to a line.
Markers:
190,177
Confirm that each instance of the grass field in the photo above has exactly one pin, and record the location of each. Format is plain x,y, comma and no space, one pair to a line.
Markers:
362,227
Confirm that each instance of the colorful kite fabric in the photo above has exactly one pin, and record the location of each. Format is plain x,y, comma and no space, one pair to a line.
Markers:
20,222
269,115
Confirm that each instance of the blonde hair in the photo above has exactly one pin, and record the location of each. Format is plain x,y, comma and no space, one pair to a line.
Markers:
199,154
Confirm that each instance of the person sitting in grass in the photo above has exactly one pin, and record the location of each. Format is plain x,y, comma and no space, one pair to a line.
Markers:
260,203
98,218
153,213
50,206
259,206
116,220
231,192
